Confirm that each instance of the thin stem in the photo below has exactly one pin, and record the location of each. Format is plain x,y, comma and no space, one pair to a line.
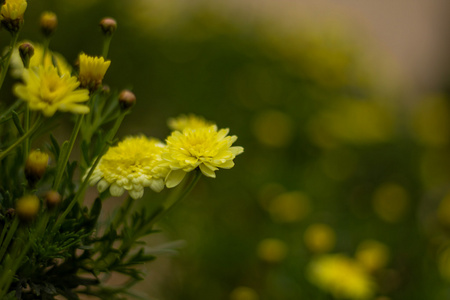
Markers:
121,214
106,43
63,161
4,116
85,182
164,209
46,45
26,126
21,139
5,63
9,236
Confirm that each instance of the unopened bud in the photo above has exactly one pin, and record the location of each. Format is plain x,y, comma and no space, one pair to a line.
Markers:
26,51
11,14
27,207
10,213
108,26
126,99
48,23
52,199
35,166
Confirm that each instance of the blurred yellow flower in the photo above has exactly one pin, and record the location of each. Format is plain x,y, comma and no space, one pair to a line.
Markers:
244,293
272,250
352,121
372,254
36,165
342,276
13,10
27,207
189,121
431,121
319,238
92,71
443,212
289,207
443,262
205,147
48,91
51,59
273,128
390,202
133,164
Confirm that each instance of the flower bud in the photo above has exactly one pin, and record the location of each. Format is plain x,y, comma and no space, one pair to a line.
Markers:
11,14
27,207
10,213
126,99
26,51
35,166
48,23
106,89
52,199
92,71
108,26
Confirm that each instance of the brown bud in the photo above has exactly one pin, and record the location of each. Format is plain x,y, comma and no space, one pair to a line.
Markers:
52,199
48,23
108,26
106,89
126,99
10,213
26,51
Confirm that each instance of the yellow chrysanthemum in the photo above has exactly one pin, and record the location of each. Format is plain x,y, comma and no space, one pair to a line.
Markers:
51,59
342,276
13,10
133,164
205,147
189,121
92,71
45,89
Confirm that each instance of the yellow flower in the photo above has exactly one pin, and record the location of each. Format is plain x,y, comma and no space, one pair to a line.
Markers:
36,165
372,254
203,147
133,164
27,207
244,293
13,10
92,71
45,89
272,250
319,237
189,121
51,59
342,276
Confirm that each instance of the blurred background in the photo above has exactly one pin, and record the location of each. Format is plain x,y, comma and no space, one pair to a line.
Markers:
343,111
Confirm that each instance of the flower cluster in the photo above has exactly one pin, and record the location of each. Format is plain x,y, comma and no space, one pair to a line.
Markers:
139,162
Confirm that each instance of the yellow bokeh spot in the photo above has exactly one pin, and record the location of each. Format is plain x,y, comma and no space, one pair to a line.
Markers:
443,213
289,207
390,202
272,250
342,276
273,128
352,121
372,255
444,264
431,121
244,293
319,238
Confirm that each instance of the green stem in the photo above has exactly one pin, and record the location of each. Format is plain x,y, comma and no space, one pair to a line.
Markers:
9,236
5,62
166,207
4,230
26,126
46,45
62,162
85,182
121,214
106,43
4,116
21,139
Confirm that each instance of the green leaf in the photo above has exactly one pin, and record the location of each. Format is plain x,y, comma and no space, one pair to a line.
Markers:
56,149
16,121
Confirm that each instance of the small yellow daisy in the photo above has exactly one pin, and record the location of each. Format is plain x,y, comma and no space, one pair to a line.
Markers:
189,121
133,164
205,147
46,90
92,71
13,10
